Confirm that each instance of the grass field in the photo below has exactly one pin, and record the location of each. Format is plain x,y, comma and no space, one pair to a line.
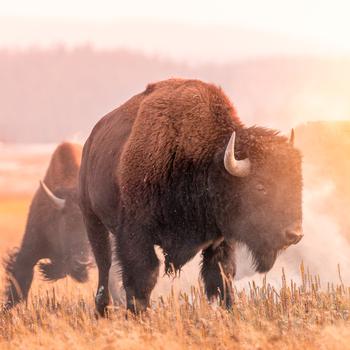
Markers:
61,315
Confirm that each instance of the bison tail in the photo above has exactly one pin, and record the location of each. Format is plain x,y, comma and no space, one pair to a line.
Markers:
51,271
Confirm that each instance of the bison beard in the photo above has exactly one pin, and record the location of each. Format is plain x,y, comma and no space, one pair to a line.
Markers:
175,167
53,271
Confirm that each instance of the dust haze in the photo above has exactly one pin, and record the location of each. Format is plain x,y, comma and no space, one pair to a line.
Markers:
325,248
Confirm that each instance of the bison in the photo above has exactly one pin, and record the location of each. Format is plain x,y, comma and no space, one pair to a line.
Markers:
55,229
175,167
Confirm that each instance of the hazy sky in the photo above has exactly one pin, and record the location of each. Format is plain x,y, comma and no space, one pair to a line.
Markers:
316,18
324,24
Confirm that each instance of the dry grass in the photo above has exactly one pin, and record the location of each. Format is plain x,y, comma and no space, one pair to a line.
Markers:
61,315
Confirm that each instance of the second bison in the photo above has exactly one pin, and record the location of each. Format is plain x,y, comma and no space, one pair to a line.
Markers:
175,167
54,229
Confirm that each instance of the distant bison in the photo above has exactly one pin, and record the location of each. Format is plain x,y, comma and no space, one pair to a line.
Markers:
54,230
175,167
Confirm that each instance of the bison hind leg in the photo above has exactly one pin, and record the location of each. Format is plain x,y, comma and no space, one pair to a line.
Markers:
52,271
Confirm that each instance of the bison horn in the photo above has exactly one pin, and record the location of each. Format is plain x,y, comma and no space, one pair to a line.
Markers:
240,168
291,138
58,202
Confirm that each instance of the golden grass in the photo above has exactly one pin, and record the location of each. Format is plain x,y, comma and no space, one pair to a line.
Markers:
61,315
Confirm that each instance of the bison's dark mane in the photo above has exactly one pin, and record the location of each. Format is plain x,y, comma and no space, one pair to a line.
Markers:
51,271
266,132
263,136
258,142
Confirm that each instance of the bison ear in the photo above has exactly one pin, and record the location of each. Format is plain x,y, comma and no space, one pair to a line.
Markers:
291,138
59,203
240,168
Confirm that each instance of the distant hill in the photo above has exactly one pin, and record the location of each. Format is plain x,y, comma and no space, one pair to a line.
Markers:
186,41
50,95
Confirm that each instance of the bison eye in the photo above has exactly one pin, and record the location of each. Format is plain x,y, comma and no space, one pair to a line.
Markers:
260,188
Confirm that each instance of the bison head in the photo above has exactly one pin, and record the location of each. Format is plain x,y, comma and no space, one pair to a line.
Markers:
68,236
261,200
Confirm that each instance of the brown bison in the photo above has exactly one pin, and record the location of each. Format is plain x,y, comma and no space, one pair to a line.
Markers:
175,167
55,229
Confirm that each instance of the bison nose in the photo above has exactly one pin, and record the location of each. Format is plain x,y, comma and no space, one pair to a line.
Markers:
293,236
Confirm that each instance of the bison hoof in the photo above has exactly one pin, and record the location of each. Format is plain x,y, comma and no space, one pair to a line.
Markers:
228,303
102,301
137,306
101,310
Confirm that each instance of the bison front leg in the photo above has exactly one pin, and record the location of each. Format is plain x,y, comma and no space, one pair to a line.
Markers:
140,269
218,268
99,239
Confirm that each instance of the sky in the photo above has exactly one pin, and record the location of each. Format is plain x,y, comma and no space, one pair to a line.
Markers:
319,19
322,26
